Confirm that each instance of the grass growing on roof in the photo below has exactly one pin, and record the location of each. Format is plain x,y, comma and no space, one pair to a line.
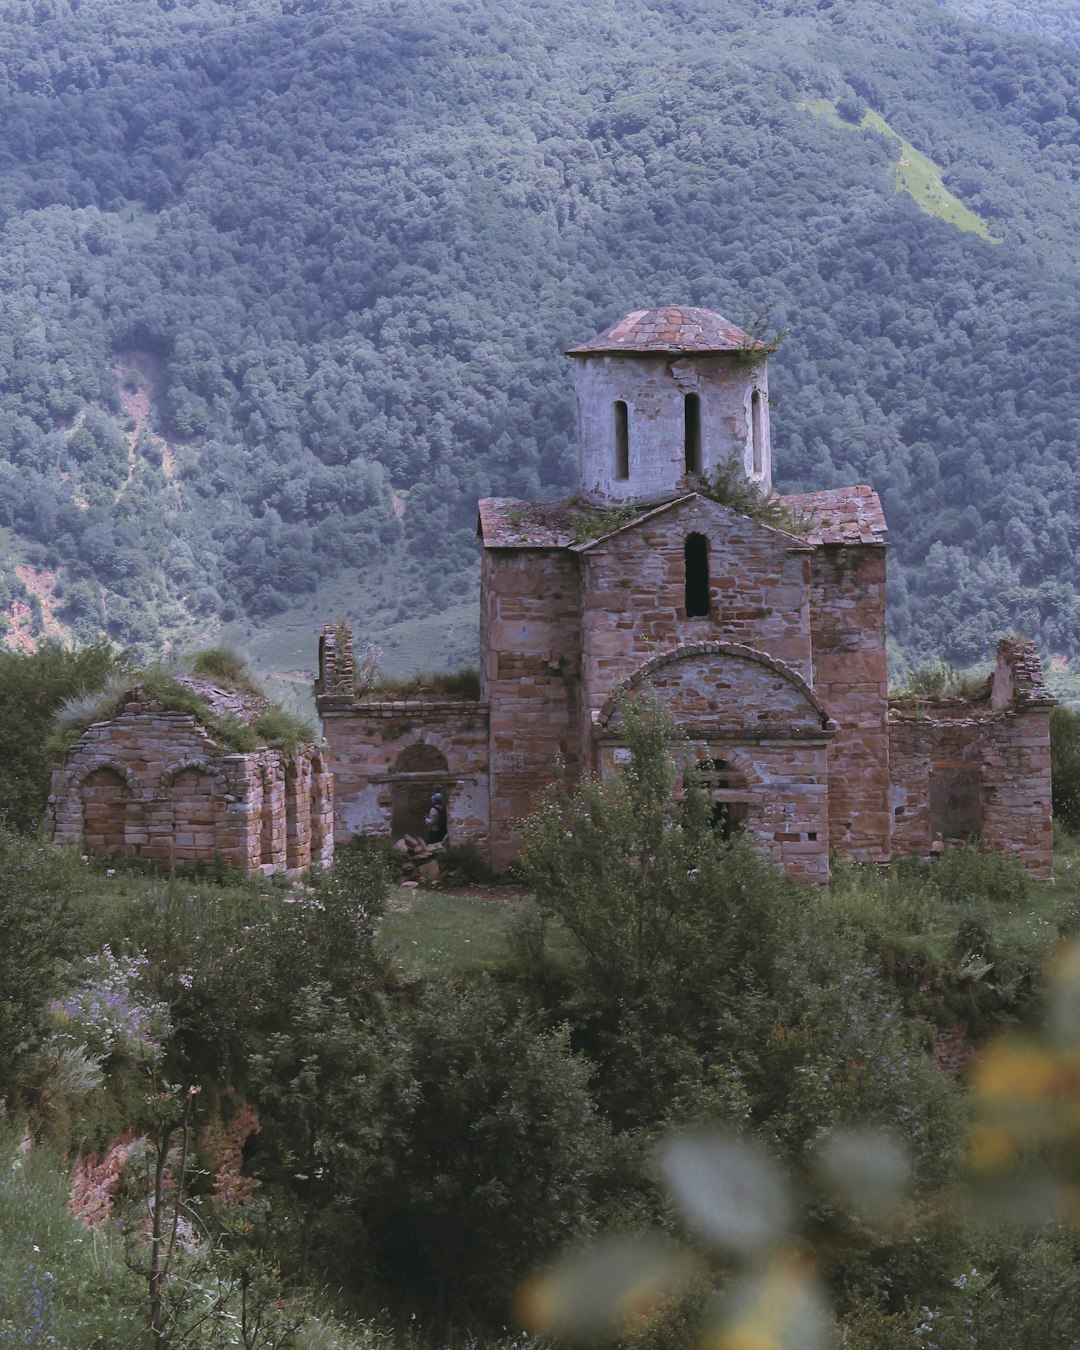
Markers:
276,728
463,684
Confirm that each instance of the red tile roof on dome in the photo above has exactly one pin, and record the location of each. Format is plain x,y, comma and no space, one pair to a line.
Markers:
673,328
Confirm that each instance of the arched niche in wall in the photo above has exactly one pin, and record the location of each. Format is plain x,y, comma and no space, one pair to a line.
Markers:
105,796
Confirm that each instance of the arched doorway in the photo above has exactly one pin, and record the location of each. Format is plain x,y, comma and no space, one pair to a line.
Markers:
105,797
419,771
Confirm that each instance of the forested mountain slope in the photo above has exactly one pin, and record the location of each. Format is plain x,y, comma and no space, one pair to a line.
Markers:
284,285
1052,20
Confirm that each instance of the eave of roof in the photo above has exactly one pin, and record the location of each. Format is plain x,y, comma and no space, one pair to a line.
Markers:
844,515
508,523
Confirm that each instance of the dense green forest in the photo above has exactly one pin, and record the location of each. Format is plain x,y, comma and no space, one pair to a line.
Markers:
285,285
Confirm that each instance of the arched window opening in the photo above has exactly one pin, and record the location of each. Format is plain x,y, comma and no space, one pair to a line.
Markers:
692,433
757,428
622,440
727,787
697,577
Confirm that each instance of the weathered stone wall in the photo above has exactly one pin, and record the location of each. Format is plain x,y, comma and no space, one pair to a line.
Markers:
635,593
761,719
942,756
847,618
654,389
367,744
786,795
153,784
531,673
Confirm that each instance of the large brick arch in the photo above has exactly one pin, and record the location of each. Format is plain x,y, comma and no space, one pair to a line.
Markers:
422,735
758,678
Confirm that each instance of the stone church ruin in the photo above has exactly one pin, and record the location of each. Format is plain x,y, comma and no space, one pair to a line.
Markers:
763,638
153,783
765,644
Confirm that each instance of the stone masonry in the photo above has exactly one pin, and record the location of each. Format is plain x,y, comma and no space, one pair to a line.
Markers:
151,783
765,645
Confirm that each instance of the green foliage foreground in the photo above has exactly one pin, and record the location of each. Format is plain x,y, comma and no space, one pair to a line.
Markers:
320,1117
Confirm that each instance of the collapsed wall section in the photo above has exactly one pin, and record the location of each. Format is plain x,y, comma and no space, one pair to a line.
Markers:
964,769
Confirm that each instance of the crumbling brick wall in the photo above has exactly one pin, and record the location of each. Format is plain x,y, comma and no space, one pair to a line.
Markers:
153,784
961,767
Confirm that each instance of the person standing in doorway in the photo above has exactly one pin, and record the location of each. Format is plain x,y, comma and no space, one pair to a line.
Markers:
436,819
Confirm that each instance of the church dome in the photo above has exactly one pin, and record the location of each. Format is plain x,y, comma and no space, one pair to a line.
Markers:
671,329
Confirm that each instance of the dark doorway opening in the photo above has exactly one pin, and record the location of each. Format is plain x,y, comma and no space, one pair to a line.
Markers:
419,771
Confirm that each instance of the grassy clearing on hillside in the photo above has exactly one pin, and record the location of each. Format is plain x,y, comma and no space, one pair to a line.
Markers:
913,172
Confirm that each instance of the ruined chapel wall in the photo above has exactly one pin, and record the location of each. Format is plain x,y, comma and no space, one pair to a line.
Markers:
161,788
635,595
530,652
365,742
1003,757
847,615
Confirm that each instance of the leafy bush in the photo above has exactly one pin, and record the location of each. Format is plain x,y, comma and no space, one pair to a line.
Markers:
1065,767
729,486
47,921
33,686
938,680
222,665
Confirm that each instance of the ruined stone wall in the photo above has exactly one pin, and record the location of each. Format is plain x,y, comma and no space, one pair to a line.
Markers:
531,636
635,594
153,784
957,770
847,617
371,747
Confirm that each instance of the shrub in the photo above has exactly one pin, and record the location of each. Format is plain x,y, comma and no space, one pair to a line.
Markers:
222,665
33,686
1065,767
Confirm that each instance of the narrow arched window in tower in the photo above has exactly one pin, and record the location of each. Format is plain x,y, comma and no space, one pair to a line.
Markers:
622,440
692,433
757,428
697,576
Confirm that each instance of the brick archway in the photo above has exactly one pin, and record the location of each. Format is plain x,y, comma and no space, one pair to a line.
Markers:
733,651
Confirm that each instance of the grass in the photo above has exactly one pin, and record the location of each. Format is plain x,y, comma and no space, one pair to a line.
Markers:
274,726
433,933
913,172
